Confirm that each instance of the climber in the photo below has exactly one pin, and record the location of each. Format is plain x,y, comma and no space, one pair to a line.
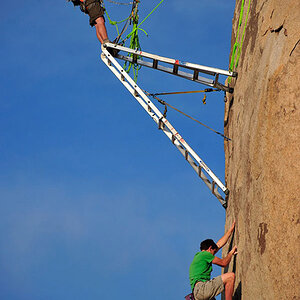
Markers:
202,286
95,11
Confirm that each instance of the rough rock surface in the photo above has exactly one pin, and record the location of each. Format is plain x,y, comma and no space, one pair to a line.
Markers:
263,158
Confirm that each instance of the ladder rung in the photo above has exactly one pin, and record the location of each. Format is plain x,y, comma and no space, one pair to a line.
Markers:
175,69
160,124
134,59
186,155
216,80
213,186
195,75
155,63
173,138
199,171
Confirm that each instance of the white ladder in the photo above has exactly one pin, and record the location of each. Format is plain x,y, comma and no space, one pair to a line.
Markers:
191,70
190,155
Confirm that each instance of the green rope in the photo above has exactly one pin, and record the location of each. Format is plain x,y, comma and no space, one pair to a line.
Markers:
115,23
133,35
138,27
134,44
134,40
237,47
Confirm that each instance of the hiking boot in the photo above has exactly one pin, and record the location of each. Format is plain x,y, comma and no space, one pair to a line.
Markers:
106,41
112,51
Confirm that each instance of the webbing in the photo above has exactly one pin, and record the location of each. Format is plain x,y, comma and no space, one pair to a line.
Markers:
237,47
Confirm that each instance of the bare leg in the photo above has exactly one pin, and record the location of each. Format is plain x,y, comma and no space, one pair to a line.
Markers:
101,29
228,280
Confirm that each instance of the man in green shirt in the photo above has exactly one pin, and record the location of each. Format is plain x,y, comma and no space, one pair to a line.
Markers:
202,286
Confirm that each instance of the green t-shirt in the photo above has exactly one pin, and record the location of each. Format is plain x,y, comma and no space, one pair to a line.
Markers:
201,267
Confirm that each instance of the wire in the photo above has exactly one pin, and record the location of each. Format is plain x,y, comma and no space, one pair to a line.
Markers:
119,3
167,104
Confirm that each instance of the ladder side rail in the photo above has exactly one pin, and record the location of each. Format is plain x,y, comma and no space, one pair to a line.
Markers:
141,53
172,61
209,70
133,88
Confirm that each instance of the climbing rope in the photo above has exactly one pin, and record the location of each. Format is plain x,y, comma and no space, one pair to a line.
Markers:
176,109
134,30
134,38
134,43
132,19
237,47
116,23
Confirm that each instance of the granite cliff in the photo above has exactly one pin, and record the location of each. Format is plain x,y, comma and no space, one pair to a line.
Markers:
262,118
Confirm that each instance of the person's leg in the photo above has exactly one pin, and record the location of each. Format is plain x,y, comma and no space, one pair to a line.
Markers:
96,13
101,29
228,280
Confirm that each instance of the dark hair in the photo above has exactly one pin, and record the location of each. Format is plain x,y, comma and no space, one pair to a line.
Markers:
208,243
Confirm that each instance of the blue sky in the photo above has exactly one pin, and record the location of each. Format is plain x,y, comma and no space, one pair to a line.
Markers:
95,202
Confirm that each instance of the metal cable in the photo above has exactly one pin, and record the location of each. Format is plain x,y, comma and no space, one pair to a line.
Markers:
119,3
167,104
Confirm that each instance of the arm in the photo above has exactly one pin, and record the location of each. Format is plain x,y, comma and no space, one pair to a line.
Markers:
223,262
223,240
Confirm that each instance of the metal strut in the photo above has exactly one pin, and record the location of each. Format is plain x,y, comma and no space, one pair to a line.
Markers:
191,70
190,155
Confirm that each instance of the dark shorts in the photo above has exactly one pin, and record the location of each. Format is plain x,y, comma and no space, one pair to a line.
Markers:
94,10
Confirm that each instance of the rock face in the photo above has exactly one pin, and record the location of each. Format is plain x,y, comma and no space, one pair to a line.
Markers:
262,118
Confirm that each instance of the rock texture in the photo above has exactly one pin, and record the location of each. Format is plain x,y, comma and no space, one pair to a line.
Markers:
263,158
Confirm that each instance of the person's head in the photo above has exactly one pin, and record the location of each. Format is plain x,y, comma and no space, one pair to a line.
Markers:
208,245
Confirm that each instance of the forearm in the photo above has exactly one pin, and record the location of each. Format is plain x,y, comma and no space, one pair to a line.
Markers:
227,259
223,240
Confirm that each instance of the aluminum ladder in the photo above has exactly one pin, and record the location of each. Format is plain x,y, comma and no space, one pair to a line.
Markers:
163,124
191,70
